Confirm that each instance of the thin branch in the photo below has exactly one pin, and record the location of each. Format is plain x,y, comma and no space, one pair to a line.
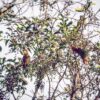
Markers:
58,84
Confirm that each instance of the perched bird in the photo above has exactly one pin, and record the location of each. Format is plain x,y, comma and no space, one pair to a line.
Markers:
26,58
82,53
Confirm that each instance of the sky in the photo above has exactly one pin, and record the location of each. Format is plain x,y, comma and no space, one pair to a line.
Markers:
29,14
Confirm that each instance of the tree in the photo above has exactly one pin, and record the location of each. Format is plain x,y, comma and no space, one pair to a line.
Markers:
49,39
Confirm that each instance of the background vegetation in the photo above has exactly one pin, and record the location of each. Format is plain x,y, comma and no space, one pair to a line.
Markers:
56,71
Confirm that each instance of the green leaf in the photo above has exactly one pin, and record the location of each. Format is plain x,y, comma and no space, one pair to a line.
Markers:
62,46
9,28
11,60
35,0
1,32
0,48
69,23
79,9
3,60
6,42
93,3
98,66
64,98
20,26
11,45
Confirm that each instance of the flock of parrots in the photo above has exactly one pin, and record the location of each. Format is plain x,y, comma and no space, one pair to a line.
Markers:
81,52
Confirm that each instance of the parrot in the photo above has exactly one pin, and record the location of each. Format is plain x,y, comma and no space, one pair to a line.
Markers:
82,53
26,58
